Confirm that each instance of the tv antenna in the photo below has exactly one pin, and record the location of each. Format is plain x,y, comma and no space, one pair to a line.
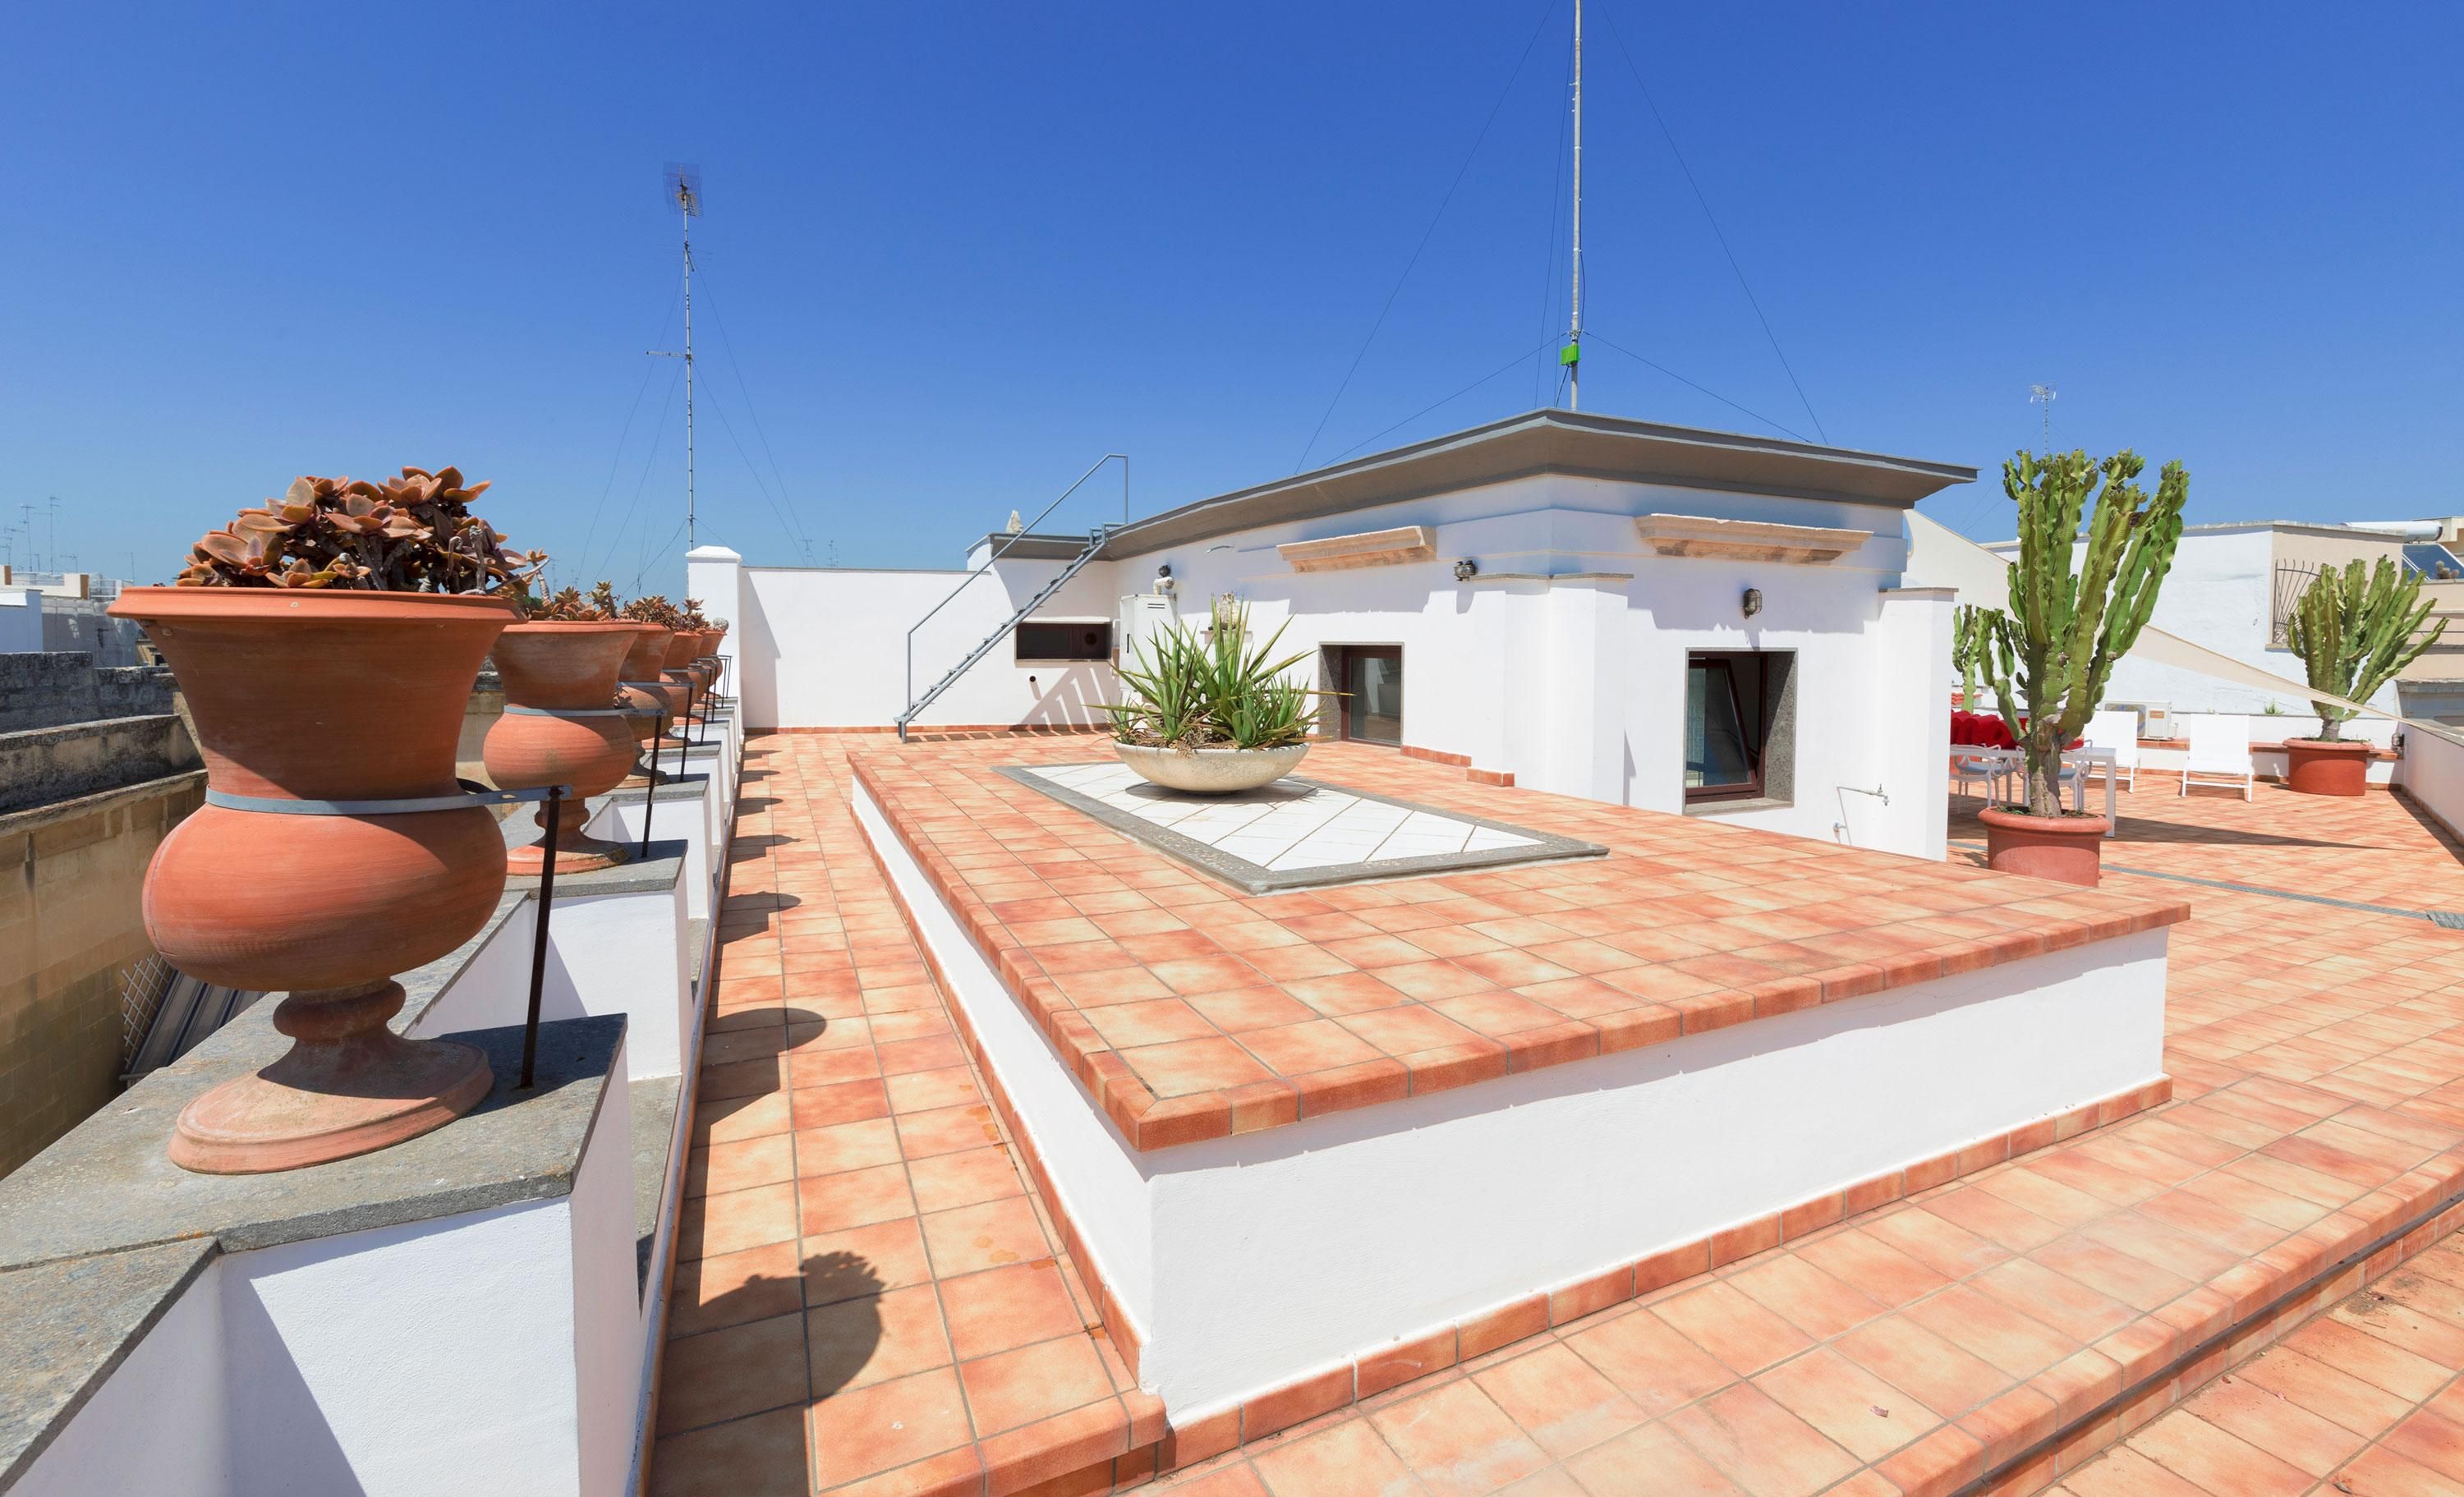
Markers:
1572,355
681,185
2043,395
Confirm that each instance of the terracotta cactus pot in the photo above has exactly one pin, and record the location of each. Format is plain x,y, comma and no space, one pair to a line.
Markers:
642,688
2322,766
562,725
324,696
2068,850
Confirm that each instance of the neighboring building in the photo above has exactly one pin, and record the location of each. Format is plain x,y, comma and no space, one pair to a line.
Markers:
1648,615
73,612
2233,586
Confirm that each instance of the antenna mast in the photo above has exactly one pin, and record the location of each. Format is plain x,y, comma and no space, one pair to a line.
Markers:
1572,355
683,184
2043,395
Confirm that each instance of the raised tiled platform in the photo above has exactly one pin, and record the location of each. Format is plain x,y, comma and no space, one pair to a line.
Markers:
1892,1025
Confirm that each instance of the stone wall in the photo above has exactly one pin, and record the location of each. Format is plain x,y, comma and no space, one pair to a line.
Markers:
49,765
69,927
54,686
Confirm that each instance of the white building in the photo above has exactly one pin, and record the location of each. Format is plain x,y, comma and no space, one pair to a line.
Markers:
1649,615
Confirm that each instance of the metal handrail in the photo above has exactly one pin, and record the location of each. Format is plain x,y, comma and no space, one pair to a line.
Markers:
1003,548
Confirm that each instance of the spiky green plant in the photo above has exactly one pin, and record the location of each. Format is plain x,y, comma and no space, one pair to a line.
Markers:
2355,631
1972,641
1217,689
2074,609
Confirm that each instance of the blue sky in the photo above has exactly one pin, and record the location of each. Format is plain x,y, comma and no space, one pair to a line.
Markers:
960,251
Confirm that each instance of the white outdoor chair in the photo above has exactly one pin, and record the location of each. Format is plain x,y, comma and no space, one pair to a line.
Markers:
2119,733
2219,754
1986,773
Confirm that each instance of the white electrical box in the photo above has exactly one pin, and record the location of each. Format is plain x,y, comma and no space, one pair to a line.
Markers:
1142,616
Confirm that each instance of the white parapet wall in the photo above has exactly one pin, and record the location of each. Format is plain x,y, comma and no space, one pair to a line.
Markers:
1247,1262
492,1349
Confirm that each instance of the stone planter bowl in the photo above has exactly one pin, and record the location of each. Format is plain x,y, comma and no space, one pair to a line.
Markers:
1212,771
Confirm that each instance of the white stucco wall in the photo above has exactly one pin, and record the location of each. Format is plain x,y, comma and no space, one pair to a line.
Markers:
2432,774
1572,684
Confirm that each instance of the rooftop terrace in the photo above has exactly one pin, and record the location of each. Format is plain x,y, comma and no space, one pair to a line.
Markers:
873,1296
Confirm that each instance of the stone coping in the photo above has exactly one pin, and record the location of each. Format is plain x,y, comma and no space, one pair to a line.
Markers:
672,787
70,1326
1187,1010
1242,873
663,868
108,1184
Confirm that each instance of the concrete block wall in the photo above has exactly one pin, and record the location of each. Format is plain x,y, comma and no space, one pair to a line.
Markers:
48,688
69,924
48,765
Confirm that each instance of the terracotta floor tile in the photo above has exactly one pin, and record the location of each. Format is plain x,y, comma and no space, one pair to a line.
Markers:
1000,1308
2123,1472
852,1198
963,1180
1457,1440
2276,1425
1850,1406
923,1090
863,1260
1975,1321
728,1374
1559,1399
854,1343
730,1288
1725,1322
2383,1472
864,1430
1298,1049
1346,1461
1649,1362
838,1146
845,1102
1805,1296
739,1118
986,1235
1759,1445
1875,1268
2209,1457
1032,1382
947,1129
1948,1380
2370,1359
1649,1459
709,1226
762,1456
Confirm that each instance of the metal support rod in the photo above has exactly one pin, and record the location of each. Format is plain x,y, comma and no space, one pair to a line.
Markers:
1574,311
650,792
539,935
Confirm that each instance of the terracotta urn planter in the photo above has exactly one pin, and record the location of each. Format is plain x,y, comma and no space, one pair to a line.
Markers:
684,690
2064,848
562,726
2323,766
306,700
638,681
1211,771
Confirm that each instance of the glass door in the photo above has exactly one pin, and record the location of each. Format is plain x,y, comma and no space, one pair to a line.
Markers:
1373,686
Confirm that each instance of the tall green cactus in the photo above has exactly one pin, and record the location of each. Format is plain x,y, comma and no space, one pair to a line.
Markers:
1971,640
2071,616
2355,632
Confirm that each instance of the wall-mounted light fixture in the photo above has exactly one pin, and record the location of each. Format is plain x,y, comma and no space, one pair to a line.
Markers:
1163,580
1753,601
1466,569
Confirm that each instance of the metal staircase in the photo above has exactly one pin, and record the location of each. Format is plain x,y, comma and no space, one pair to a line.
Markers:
1095,540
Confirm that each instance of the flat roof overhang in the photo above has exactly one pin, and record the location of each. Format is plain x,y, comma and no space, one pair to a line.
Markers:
1564,442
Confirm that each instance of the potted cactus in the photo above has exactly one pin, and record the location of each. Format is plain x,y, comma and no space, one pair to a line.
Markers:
327,643
562,723
2076,604
1212,713
1971,635
2355,631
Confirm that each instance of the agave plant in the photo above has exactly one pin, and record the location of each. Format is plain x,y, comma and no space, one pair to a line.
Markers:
1213,691
411,533
656,608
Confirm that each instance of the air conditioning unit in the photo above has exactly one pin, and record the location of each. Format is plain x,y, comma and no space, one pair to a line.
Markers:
2155,718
